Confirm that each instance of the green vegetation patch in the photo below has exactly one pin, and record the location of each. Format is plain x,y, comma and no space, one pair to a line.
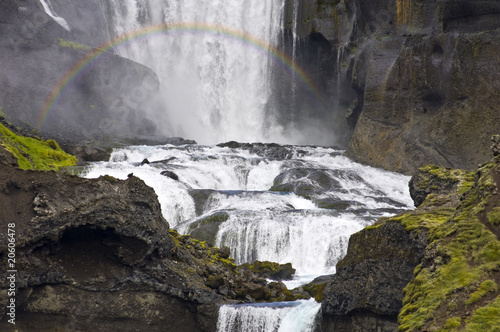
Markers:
73,45
457,276
34,153
486,318
494,216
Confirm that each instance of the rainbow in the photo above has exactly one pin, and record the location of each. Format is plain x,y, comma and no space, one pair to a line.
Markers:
57,93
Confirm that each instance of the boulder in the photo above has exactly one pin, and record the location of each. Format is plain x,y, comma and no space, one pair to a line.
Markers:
366,292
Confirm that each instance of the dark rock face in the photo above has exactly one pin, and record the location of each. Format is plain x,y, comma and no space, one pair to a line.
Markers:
415,80
94,256
97,254
55,79
366,292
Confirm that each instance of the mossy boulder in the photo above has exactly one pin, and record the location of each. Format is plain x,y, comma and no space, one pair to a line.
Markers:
433,268
316,288
206,228
439,180
271,270
33,152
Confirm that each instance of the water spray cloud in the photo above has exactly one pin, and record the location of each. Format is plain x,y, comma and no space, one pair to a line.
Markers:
171,28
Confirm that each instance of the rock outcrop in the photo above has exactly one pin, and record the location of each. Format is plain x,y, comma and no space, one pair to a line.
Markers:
61,83
431,268
415,80
370,279
97,255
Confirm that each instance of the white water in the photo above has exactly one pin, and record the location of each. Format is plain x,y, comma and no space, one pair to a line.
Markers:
262,224
278,317
217,87
47,7
215,70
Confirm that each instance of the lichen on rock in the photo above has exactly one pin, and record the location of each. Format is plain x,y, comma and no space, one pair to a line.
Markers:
436,267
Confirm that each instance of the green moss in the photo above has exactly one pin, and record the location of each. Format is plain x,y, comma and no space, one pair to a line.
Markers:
416,220
34,153
488,286
2,114
486,318
461,258
73,45
494,216
316,290
110,178
453,323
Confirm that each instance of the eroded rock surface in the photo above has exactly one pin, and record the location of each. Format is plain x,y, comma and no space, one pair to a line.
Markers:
97,254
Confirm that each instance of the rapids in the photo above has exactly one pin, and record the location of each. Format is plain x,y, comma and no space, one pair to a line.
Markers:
296,204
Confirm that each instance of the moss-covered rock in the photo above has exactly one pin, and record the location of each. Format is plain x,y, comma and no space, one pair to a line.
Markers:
438,264
33,152
270,270
459,274
433,179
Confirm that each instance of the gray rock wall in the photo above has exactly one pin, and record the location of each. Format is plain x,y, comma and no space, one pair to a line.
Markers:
57,81
417,82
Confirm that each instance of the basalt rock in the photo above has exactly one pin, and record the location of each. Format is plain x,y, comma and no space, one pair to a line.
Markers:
366,292
97,254
400,272
415,81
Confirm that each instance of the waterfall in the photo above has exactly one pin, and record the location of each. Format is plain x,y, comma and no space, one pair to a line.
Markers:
292,317
49,10
222,78
213,59
299,206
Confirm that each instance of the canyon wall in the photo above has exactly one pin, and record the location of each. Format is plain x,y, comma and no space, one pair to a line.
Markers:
417,79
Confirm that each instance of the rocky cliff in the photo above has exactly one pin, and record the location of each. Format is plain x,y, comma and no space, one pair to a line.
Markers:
58,80
434,268
415,79
97,255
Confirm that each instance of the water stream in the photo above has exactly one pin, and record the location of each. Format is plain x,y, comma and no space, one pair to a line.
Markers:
216,61
296,204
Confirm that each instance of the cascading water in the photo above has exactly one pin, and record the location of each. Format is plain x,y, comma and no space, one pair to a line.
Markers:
285,204
295,204
47,7
213,59
296,316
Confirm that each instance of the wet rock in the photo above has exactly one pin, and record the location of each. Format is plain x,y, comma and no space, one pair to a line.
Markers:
171,175
333,204
367,288
270,151
305,181
179,141
200,197
89,152
205,229
270,270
